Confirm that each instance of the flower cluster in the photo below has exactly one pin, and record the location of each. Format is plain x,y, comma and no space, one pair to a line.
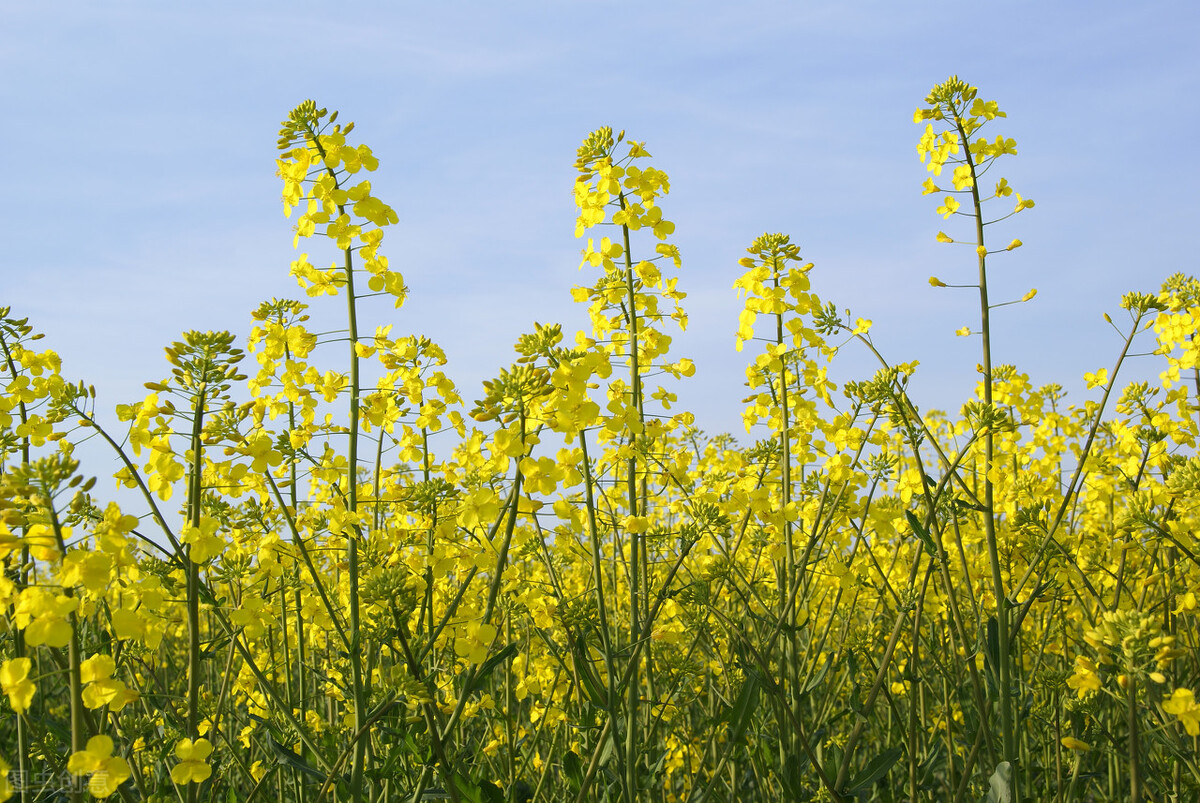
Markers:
347,578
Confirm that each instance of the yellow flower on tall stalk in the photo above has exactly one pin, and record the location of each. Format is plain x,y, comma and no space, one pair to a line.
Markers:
576,609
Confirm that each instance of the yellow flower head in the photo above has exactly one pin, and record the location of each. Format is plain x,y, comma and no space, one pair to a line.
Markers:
14,679
1086,680
108,771
1183,705
193,765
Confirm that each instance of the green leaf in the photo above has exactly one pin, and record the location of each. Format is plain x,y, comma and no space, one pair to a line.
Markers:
289,758
489,665
921,533
490,793
400,748
992,646
610,747
792,776
876,768
819,677
573,769
596,694
934,761
656,768
1001,784
855,700
467,790
744,706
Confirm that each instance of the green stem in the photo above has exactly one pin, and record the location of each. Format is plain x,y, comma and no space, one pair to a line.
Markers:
1134,746
597,568
791,657
195,489
1007,724
74,659
635,545
843,774
359,691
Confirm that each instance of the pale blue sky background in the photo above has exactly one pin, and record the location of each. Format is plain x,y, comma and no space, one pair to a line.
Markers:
140,198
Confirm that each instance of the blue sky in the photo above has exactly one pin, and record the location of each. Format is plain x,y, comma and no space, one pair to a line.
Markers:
141,201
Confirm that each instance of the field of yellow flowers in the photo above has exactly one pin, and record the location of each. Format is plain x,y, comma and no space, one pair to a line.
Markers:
349,581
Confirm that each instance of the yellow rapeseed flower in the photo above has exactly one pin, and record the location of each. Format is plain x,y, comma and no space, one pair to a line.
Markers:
193,764
1183,705
107,771
14,680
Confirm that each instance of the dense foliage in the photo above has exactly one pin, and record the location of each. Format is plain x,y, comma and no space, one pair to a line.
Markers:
346,583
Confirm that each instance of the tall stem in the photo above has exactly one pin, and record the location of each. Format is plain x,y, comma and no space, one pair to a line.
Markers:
597,567
195,489
791,657
74,659
635,546
351,496
352,536
1131,719
1004,661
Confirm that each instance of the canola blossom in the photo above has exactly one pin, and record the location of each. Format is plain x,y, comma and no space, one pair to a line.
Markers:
345,578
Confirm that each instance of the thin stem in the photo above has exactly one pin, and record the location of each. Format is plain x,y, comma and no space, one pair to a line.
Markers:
1005,691
195,489
353,535
635,539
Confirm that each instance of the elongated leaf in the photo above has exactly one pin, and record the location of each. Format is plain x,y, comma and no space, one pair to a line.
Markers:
819,677
610,747
488,666
468,790
933,762
288,757
596,694
573,769
876,768
921,533
992,656
855,700
520,792
656,768
744,706
490,793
